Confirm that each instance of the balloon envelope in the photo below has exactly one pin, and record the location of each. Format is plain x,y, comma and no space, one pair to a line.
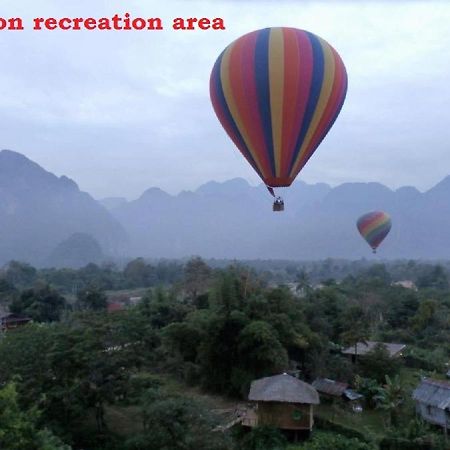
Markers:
374,227
277,92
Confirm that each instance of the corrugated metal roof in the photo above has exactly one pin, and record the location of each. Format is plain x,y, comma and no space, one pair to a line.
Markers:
283,388
352,395
433,393
330,387
363,348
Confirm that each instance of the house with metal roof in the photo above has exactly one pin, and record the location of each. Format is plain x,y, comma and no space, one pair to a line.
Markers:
362,348
329,388
432,399
282,401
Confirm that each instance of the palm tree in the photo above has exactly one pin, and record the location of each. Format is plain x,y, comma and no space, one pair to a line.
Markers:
390,398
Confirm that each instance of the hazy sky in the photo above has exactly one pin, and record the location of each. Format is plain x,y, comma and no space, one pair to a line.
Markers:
122,111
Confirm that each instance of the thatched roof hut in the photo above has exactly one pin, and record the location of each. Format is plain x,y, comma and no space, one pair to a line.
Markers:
284,402
283,388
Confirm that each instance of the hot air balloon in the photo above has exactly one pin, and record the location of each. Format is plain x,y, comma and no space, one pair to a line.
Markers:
374,227
277,92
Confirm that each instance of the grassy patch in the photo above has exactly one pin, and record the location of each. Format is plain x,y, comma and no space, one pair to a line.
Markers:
370,421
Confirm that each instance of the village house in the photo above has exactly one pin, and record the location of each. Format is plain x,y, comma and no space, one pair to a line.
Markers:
281,401
407,284
336,390
329,388
432,399
11,321
362,348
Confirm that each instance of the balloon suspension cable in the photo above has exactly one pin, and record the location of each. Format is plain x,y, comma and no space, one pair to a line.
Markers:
278,204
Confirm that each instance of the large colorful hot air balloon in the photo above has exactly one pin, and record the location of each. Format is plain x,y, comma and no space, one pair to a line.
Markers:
277,92
374,227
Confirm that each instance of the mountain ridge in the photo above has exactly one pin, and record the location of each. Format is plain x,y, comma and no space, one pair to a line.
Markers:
231,219
39,210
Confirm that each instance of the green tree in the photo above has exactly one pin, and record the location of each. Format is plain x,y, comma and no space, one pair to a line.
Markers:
218,355
177,424
390,398
42,303
260,351
92,298
20,274
19,430
378,363
138,273
197,277
425,315
263,438
356,326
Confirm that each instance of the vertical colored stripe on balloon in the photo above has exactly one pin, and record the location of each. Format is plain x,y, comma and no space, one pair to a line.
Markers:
330,113
325,93
291,106
243,84
314,94
263,89
223,112
299,56
276,77
231,102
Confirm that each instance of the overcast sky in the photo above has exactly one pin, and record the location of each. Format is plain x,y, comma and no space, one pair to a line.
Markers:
122,111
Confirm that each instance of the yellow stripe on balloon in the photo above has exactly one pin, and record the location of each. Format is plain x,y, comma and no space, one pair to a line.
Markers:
232,106
375,224
325,93
276,77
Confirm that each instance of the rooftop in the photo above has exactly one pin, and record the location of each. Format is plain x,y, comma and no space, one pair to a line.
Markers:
283,388
330,387
433,393
363,348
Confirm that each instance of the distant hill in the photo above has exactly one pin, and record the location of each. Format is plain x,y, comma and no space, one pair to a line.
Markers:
76,251
39,210
234,220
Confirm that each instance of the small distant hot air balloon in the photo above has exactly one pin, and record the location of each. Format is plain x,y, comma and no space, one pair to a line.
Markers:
374,227
277,93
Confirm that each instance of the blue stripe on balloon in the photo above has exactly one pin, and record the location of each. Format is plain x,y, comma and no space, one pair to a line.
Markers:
262,80
314,94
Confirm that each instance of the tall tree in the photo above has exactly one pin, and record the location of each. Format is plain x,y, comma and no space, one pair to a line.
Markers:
390,398
356,328
42,303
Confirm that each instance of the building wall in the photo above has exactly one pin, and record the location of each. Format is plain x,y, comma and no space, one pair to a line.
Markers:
288,416
433,415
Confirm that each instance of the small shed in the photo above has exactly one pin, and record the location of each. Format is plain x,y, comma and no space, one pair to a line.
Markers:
433,401
282,401
329,388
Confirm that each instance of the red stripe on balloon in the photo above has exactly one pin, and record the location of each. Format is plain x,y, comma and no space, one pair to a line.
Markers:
301,83
227,123
291,92
242,80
